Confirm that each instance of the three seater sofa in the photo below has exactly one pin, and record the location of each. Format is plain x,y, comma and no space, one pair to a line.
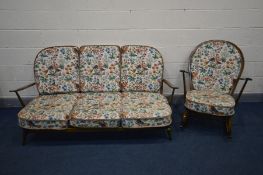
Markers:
96,87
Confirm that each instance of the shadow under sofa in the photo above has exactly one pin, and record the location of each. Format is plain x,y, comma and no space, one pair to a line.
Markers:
97,87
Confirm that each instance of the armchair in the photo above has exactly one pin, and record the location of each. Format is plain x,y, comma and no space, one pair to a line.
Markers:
214,71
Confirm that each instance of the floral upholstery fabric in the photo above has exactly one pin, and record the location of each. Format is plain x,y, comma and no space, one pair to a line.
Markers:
100,74
97,110
56,70
99,68
215,65
210,102
47,112
142,69
144,109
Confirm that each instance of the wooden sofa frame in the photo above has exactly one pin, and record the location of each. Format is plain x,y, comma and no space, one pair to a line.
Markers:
25,132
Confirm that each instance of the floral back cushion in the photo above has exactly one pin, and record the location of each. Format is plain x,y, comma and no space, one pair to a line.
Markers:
56,70
215,65
142,68
99,68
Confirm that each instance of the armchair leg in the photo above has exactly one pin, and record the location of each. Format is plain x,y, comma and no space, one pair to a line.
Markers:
169,132
229,126
24,134
184,120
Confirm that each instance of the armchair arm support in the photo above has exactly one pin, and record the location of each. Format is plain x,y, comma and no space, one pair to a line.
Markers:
184,72
20,89
172,87
243,87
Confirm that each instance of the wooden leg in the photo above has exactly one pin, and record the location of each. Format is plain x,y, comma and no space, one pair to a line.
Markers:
24,134
169,132
185,117
229,126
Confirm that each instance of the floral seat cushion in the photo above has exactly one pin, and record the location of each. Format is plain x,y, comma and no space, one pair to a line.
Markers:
56,70
47,112
142,69
210,102
145,109
99,68
97,110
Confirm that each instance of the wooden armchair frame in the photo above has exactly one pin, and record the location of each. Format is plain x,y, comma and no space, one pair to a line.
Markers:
227,119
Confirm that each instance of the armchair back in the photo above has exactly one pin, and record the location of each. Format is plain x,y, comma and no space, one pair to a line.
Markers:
216,65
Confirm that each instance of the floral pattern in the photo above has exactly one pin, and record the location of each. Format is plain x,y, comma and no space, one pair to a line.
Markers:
39,124
142,69
144,109
97,110
128,110
215,65
210,102
56,70
97,71
99,68
47,112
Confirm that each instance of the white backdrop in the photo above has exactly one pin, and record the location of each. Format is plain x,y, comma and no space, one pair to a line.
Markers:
174,27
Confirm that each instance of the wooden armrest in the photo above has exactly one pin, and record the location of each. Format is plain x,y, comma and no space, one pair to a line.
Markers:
184,83
243,87
184,71
169,84
23,87
20,89
248,79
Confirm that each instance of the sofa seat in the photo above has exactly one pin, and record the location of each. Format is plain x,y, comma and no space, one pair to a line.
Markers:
210,102
145,109
97,110
47,112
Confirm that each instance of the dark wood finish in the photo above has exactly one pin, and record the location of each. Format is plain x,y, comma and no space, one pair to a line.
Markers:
169,133
23,87
20,89
173,89
170,84
228,119
242,89
228,126
185,117
184,83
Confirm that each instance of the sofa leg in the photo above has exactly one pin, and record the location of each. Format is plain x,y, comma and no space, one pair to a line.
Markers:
169,132
184,120
24,134
228,125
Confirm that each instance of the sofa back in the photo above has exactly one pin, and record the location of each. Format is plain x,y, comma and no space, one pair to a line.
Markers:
56,70
99,68
141,68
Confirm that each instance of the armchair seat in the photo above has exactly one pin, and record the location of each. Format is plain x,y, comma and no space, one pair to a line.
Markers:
47,112
145,109
97,110
210,102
